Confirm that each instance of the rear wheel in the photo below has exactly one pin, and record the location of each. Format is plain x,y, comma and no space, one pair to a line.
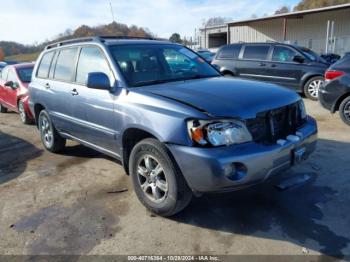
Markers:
23,114
312,86
3,109
157,180
344,110
51,139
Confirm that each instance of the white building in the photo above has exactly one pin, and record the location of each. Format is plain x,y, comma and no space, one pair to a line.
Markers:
322,29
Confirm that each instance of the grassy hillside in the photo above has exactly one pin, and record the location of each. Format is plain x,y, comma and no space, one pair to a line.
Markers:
23,57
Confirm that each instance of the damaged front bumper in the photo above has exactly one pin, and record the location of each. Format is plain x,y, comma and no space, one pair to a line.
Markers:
239,166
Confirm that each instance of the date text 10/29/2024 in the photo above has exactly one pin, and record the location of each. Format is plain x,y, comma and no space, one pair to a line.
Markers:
173,258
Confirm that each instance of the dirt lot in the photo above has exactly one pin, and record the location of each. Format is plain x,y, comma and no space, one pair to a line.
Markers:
68,204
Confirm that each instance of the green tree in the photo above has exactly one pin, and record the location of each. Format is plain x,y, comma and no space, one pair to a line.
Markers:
175,38
282,10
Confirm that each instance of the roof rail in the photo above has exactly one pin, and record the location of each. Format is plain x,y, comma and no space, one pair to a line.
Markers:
97,39
126,37
71,41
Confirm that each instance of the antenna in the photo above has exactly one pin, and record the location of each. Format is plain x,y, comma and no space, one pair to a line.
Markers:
110,4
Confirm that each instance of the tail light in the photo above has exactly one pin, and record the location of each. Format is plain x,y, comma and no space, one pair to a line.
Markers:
333,74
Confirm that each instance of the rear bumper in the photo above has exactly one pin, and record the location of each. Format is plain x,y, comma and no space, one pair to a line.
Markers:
327,99
239,166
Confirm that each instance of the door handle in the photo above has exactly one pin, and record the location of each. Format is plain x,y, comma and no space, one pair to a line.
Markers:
273,65
262,64
74,92
47,86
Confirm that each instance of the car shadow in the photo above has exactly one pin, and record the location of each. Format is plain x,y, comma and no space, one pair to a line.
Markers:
14,155
296,214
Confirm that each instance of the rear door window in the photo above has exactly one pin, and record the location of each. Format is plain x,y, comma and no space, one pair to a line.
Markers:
283,54
230,52
256,52
44,67
65,65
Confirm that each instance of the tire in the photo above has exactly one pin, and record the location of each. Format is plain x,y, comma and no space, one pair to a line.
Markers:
3,109
50,138
344,110
163,191
312,86
23,114
228,75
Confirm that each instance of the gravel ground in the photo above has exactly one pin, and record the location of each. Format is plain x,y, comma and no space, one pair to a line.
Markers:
71,204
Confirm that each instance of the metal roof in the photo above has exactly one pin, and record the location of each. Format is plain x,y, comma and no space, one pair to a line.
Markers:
285,15
292,14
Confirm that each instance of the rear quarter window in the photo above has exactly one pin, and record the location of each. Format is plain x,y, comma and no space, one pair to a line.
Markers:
229,52
45,63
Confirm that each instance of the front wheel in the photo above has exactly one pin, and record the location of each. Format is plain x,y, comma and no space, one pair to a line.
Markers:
344,110
23,114
51,139
312,87
158,182
3,109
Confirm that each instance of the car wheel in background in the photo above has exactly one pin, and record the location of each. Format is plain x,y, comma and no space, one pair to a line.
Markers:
312,86
51,139
3,109
228,75
23,114
157,180
344,110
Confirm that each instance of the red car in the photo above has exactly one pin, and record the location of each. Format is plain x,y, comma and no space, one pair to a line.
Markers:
14,80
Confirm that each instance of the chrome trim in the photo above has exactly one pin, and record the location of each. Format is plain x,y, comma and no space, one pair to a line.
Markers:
266,76
91,145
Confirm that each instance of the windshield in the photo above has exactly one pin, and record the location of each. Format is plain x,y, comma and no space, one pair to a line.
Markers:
149,64
25,74
313,56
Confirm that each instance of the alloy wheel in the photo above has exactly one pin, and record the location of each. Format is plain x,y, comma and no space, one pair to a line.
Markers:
152,179
313,88
46,131
22,112
346,111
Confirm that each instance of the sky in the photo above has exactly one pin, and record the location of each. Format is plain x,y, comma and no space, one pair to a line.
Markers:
34,21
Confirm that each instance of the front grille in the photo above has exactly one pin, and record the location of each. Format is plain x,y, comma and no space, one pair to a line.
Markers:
272,125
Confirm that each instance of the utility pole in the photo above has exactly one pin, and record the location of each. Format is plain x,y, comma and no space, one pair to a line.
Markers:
110,4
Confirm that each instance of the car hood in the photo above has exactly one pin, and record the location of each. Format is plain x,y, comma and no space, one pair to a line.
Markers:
223,97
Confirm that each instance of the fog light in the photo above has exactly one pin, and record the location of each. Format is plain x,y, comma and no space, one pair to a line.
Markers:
235,171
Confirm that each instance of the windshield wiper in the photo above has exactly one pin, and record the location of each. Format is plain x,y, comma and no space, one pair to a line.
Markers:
162,81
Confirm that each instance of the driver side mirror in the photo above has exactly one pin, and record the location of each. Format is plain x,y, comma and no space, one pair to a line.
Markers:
12,84
98,80
299,59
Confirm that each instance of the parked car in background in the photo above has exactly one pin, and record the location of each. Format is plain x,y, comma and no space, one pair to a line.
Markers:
291,66
330,57
14,82
175,130
2,65
207,55
335,94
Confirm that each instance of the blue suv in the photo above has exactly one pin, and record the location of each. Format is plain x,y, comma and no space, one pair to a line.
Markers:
176,124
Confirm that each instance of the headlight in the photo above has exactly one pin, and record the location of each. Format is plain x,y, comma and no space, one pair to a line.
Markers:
302,109
218,132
